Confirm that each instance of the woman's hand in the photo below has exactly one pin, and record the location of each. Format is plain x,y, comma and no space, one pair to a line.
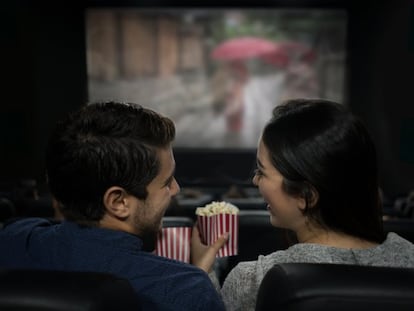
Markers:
203,256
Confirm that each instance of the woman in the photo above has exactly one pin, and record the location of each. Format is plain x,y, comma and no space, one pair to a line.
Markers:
317,171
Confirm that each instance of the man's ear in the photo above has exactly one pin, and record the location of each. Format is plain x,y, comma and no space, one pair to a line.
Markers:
117,202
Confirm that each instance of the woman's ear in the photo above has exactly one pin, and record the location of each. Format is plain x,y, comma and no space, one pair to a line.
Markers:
116,202
309,198
314,197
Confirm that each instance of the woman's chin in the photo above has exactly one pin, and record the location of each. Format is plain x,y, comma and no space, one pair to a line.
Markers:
275,222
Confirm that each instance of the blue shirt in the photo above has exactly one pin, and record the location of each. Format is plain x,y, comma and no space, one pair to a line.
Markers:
162,284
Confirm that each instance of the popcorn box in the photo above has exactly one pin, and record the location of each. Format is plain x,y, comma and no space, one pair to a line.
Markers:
174,243
214,220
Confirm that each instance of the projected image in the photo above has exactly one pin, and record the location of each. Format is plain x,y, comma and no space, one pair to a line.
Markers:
216,73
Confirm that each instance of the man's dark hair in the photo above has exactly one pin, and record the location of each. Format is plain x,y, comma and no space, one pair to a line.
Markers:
103,145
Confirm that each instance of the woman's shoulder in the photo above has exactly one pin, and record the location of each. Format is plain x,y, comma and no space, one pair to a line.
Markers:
265,262
293,253
393,240
395,251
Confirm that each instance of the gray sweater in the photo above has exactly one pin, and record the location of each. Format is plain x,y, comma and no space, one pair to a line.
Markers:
241,285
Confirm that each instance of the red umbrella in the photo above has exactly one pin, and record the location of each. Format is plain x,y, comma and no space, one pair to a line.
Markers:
248,47
294,50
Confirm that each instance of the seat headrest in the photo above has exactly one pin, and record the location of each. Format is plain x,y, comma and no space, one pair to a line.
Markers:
307,286
63,290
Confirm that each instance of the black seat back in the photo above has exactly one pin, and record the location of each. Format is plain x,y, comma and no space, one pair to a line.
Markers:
65,291
177,221
320,287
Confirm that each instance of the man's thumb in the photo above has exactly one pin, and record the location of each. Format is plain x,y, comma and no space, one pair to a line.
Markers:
219,243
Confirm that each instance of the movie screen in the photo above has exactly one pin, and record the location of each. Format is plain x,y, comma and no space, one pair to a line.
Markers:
216,72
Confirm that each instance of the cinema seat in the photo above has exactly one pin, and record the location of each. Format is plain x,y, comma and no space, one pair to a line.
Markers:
30,290
177,221
323,287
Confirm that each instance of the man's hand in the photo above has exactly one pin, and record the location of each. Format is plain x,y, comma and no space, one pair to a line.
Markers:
203,256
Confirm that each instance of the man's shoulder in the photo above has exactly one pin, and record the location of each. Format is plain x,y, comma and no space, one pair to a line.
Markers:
170,266
26,223
174,283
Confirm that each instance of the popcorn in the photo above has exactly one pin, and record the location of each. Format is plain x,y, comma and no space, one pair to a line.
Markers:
215,219
215,208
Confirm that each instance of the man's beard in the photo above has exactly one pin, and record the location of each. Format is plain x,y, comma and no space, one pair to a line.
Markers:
149,233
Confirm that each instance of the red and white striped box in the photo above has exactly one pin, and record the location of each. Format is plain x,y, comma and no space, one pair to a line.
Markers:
174,243
213,226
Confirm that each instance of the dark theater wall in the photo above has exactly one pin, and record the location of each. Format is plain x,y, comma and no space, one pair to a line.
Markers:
44,76
381,87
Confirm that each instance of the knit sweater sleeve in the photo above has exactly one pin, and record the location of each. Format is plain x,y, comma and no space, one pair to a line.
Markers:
239,290
241,285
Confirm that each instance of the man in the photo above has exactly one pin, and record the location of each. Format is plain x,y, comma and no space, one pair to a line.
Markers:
111,168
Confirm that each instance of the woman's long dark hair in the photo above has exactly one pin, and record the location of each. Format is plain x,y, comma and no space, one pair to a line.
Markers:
322,148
